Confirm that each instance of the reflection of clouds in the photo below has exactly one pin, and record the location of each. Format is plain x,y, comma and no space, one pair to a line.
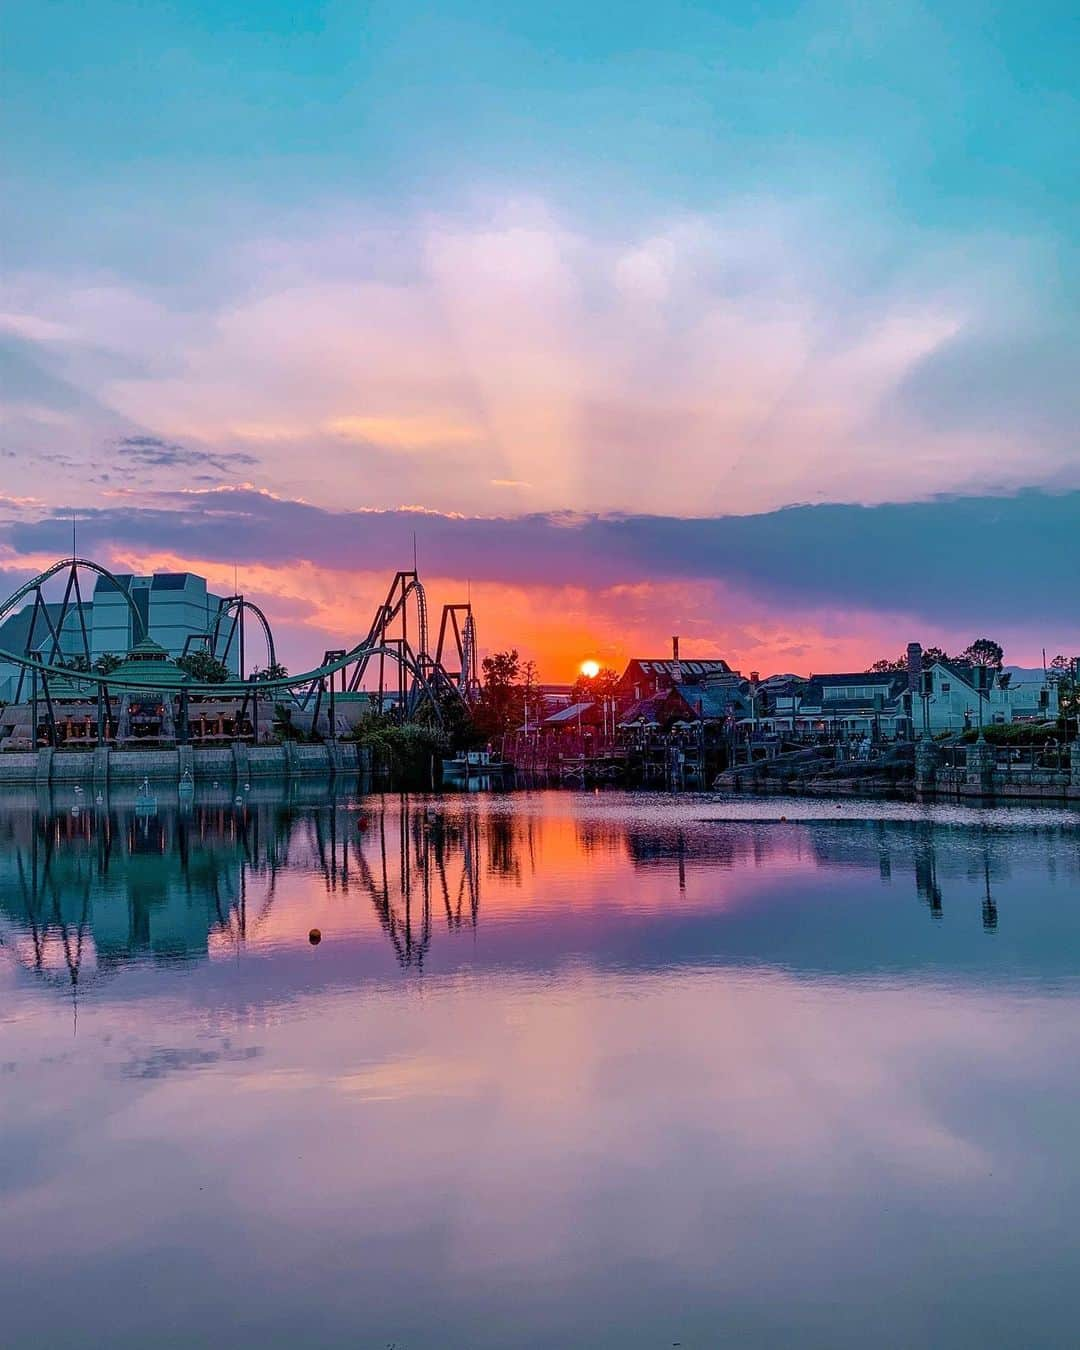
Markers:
685,1114
161,1060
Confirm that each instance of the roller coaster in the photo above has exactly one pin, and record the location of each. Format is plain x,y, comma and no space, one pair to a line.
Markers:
392,661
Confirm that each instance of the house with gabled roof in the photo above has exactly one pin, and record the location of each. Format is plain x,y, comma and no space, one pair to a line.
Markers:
950,694
852,704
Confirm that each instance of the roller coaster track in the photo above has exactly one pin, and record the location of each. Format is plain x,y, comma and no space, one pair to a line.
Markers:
422,678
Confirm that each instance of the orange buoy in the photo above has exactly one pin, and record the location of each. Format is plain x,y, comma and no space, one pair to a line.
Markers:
315,937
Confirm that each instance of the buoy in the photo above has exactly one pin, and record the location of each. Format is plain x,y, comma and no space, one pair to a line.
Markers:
361,822
314,937
239,801
783,817
247,787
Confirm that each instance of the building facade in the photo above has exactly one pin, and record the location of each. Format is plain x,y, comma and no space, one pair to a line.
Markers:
176,608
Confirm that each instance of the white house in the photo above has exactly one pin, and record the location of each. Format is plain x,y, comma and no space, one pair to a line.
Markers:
951,699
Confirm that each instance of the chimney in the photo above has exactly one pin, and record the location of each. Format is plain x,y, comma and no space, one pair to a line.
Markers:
755,677
914,667
674,648
676,668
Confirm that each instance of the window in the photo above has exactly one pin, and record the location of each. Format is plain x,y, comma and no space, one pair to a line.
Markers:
854,691
946,687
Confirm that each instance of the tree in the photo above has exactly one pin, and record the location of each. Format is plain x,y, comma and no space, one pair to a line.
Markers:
501,705
930,656
984,652
204,667
77,663
274,671
1064,672
107,662
602,685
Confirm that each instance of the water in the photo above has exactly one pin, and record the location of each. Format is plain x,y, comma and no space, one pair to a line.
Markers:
564,1070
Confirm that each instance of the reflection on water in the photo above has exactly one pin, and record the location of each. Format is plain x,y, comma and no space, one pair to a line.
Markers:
608,1069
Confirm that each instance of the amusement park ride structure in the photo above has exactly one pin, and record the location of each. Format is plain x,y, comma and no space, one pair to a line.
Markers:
392,662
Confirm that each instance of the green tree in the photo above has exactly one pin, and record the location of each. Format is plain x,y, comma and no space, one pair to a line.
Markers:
274,671
77,663
204,667
501,706
1064,672
107,662
588,689
984,652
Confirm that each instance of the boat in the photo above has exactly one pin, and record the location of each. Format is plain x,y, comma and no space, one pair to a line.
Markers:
469,765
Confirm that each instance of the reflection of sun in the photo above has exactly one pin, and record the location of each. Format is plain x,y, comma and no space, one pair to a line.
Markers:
590,669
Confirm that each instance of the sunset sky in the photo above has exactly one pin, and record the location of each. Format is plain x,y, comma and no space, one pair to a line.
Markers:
753,322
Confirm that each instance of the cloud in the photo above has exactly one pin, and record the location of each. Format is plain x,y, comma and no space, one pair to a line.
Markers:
726,360
151,452
794,588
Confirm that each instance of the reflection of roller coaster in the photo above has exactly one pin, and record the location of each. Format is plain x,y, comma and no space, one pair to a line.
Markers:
393,662
84,893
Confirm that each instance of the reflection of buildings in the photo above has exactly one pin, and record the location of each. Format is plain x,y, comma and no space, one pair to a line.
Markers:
92,890
173,606
935,853
85,891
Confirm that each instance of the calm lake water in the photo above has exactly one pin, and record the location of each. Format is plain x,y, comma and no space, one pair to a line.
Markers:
565,1070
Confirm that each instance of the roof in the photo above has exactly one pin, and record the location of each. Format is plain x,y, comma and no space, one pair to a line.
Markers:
963,671
570,714
15,629
862,677
890,684
647,710
149,662
103,583
666,666
712,701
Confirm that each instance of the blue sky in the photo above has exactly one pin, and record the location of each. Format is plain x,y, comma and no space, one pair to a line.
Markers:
502,259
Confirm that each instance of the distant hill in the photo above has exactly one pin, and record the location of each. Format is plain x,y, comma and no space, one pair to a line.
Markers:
1025,674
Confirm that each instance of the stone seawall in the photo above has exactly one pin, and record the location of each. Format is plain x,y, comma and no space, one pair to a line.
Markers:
237,763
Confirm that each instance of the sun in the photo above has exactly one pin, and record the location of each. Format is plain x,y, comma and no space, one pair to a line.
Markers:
590,669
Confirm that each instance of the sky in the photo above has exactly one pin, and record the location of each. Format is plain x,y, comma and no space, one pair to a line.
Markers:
752,322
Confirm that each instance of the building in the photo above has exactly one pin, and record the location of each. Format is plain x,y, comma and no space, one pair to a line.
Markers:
863,703
175,607
645,676
946,696
15,636
950,698
75,715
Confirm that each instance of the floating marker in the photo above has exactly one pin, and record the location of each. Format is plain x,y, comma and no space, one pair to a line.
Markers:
314,937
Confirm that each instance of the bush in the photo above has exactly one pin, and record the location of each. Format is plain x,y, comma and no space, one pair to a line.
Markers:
405,748
1016,733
